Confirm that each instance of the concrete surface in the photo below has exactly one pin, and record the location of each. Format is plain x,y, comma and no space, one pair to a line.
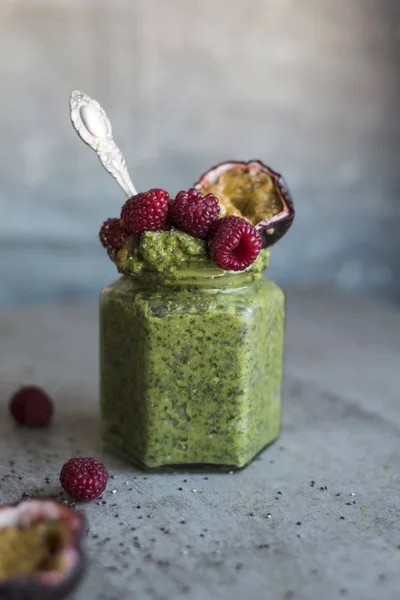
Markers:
310,87
315,518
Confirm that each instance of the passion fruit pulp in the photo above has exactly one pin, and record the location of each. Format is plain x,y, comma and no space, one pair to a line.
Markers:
253,191
41,557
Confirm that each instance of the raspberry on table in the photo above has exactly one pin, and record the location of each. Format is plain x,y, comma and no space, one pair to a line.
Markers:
84,478
112,234
146,211
194,213
31,406
234,244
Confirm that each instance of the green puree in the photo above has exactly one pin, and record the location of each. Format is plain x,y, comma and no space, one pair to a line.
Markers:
191,356
163,252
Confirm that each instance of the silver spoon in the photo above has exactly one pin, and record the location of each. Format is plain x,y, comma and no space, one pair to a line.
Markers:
93,126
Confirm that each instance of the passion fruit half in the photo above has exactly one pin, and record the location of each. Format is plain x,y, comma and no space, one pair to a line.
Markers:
253,191
41,557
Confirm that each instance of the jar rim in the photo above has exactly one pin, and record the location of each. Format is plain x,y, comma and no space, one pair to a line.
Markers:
200,278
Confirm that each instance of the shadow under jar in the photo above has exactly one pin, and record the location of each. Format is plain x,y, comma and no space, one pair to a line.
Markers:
191,367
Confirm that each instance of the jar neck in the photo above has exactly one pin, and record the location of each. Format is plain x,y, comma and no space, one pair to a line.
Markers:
204,279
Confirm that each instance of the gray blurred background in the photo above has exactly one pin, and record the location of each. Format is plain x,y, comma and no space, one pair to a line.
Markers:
311,88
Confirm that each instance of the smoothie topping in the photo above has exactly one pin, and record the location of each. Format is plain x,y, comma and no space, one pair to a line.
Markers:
145,212
235,243
31,406
234,211
84,478
253,191
194,213
112,234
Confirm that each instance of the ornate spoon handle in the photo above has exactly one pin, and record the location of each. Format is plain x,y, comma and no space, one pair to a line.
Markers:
93,126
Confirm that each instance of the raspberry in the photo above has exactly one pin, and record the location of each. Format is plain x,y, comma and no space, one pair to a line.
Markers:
112,235
213,228
235,243
146,211
194,213
84,478
31,406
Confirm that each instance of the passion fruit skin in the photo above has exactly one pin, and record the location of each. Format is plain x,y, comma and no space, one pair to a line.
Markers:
33,586
271,229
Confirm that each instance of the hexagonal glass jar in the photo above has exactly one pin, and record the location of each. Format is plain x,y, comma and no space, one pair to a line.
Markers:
191,371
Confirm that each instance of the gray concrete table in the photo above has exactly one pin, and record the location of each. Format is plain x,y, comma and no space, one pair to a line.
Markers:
316,517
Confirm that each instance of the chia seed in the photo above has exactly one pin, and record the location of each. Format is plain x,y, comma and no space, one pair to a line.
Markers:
163,563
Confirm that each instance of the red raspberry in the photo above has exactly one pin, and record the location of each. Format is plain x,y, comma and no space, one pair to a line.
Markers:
194,213
145,212
84,478
31,406
235,243
213,228
112,235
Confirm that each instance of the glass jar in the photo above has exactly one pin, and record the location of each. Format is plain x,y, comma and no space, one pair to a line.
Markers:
191,371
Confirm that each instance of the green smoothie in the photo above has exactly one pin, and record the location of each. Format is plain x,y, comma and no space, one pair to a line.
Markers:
191,356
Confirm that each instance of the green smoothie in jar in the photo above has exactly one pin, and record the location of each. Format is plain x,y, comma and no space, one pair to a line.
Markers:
192,334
